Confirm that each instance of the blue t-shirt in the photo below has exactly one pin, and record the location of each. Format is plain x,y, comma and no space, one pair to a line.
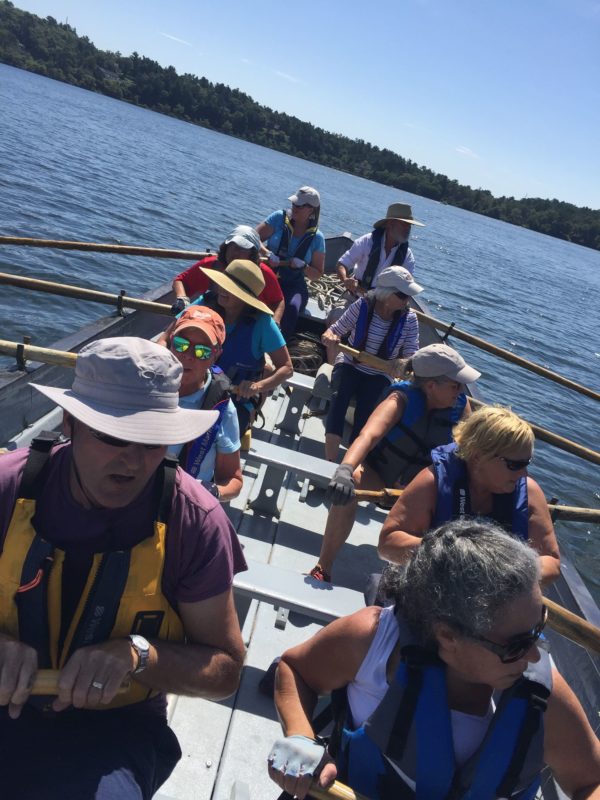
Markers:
275,221
227,439
266,336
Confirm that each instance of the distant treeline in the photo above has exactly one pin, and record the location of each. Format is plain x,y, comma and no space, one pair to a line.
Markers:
54,49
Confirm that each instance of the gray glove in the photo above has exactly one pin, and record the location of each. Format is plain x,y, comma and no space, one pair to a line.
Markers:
297,263
341,487
296,756
180,305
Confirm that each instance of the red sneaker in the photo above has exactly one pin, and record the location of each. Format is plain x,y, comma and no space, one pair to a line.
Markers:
319,574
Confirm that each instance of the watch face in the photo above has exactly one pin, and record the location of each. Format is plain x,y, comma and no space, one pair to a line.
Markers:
139,641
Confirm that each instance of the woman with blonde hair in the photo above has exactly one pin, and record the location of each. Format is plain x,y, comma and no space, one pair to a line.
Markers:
483,473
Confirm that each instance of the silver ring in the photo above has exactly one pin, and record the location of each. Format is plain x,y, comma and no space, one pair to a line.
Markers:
97,685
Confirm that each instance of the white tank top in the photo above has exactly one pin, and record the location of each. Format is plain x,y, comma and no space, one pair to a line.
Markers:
369,686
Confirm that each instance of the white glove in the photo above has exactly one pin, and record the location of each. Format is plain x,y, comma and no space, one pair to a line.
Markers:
296,756
297,263
274,260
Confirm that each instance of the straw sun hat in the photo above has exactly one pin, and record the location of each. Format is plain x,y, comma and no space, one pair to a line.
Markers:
243,280
400,211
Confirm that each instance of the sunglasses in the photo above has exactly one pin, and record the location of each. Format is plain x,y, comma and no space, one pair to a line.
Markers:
401,295
301,205
202,351
518,646
112,441
515,464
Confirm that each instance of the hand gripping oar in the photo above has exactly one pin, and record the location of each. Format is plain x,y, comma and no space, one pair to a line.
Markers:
79,293
46,682
507,355
540,433
98,247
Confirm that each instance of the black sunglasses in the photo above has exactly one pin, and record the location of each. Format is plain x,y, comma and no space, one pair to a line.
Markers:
518,646
401,295
112,441
302,205
515,464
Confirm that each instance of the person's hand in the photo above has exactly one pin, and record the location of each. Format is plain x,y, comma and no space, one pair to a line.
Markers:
180,304
341,487
247,389
351,284
396,368
94,674
294,761
18,666
274,260
211,487
297,263
329,337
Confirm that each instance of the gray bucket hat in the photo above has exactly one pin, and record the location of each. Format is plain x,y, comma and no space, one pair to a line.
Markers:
128,388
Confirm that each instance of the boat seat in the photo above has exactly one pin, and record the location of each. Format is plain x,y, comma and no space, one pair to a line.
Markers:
275,461
291,591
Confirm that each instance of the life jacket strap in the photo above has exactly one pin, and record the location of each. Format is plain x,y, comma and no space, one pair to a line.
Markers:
166,488
33,477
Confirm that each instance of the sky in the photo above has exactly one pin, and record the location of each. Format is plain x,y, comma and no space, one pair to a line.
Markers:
498,94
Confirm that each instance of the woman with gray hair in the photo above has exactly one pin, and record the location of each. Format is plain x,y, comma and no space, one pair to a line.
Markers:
379,323
444,694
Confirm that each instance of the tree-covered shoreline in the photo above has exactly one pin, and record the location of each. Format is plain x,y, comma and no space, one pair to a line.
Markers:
55,50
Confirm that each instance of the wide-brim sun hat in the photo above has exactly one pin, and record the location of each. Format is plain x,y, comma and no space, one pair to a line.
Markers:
400,211
245,237
243,279
128,388
442,361
306,195
399,279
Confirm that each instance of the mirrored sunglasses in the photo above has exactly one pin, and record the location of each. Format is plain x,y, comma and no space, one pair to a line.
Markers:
518,645
112,441
515,464
182,345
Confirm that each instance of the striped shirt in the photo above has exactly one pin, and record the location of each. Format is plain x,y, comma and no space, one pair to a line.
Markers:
407,345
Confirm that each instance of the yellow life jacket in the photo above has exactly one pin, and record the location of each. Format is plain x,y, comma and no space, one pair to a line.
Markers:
122,594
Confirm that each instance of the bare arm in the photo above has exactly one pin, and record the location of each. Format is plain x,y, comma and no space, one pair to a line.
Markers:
264,231
179,289
571,749
381,421
315,269
228,475
409,519
541,533
278,311
283,370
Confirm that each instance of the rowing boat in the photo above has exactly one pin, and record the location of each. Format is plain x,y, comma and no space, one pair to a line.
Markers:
225,744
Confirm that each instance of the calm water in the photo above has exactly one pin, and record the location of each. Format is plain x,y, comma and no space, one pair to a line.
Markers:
76,165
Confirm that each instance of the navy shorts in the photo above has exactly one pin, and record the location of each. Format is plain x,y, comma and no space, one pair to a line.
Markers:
347,383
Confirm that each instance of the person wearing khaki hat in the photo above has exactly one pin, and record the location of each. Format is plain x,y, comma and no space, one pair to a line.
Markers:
102,578
386,245
416,415
296,249
251,333
482,473
196,340
242,242
380,323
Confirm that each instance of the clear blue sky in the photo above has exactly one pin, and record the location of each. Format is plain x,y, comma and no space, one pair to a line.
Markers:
499,95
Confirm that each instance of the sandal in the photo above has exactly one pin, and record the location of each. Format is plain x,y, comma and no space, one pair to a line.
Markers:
319,574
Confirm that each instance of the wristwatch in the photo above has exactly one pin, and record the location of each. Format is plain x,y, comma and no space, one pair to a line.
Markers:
142,648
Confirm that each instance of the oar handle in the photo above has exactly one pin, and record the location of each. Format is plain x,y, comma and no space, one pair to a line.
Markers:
46,682
98,247
378,492
337,790
45,355
573,627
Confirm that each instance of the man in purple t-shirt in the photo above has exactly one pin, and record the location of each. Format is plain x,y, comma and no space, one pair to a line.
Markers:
116,571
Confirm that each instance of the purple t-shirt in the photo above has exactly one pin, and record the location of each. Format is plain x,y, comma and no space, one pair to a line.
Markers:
202,549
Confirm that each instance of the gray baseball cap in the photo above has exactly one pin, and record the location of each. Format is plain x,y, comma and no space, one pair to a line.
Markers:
306,196
244,236
442,361
128,388
400,279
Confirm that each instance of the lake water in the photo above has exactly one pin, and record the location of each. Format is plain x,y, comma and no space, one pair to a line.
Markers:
76,165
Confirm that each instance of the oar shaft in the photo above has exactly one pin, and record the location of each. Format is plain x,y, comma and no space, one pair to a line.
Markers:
46,682
508,356
572,627
43,354
79,293
575,514
98,247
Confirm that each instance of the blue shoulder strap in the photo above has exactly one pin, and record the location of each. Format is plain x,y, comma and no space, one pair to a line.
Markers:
201,446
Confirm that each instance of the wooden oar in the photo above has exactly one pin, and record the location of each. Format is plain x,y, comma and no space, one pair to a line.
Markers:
507,355
572,627
541,433
45,355
46,682
97,247
66,290
338,790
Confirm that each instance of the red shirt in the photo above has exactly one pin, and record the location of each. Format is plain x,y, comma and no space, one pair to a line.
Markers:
195,282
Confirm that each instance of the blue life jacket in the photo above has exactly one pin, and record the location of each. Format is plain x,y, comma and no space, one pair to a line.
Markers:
290,275
237,360
410,732
215,398
377,241
453,496
390,341
406,449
